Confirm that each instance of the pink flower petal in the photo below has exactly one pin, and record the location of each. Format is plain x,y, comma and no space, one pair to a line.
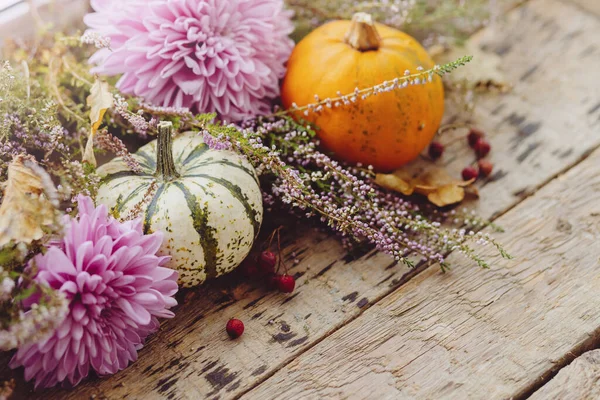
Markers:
156,45
134,311
111,273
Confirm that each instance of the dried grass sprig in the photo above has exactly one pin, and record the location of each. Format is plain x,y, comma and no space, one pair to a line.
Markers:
421,77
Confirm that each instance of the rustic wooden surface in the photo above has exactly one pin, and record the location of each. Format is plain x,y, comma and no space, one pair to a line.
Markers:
474,334
484,334
549,123
592,6
578,381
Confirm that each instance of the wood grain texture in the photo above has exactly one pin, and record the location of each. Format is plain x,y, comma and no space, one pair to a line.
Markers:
579,381
473,334
191,357
592,6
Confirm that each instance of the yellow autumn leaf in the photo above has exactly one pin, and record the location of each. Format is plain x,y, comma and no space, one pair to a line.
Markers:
396,183
28,205
99,100
88,154
435,183
447,194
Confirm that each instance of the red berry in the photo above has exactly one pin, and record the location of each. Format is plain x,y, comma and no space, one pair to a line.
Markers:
482,148
469,173
473,136
485,168
250,269
234,328
286,283
436,149
267,261
273,281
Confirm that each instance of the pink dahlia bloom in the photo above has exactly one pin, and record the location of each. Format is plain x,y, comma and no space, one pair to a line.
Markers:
225,56
117,288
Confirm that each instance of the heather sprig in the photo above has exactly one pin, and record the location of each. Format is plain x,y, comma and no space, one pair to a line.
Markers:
34,120
421,77
42,115
19,327
113,144
296,175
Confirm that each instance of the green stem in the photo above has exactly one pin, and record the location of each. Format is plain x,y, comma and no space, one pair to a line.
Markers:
165,165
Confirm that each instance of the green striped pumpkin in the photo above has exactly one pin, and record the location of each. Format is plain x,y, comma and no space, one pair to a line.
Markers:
207,203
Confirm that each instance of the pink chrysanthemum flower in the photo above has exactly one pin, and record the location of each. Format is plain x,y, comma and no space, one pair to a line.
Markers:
225,56
117,288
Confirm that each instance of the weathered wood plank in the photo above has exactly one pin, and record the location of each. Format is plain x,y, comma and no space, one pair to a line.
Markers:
473,334
191,356
578,381
593,6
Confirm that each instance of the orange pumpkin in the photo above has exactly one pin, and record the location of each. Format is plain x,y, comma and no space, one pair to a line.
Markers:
386,130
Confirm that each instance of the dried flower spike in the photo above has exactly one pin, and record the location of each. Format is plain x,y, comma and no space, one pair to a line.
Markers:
421,77
310,184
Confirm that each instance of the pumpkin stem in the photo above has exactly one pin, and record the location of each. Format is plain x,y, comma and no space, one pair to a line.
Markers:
363,35
165,165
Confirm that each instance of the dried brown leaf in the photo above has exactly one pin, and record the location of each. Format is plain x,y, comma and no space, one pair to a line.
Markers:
472,191
28,205
440,188
394,182
99,100
447,194
88,154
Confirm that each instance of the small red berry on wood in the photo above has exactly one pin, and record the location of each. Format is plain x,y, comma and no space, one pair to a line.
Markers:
482,148
286,284
436,149
485,168
474,136
469,173
234,328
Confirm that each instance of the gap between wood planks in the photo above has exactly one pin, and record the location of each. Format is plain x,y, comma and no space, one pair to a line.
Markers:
593,342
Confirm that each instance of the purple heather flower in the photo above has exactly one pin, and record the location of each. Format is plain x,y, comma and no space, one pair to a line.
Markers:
206,55
116,286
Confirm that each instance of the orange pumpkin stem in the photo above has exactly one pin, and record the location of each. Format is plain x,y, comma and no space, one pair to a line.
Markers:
363,35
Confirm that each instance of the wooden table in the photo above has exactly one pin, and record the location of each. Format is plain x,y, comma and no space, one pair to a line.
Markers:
369,328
